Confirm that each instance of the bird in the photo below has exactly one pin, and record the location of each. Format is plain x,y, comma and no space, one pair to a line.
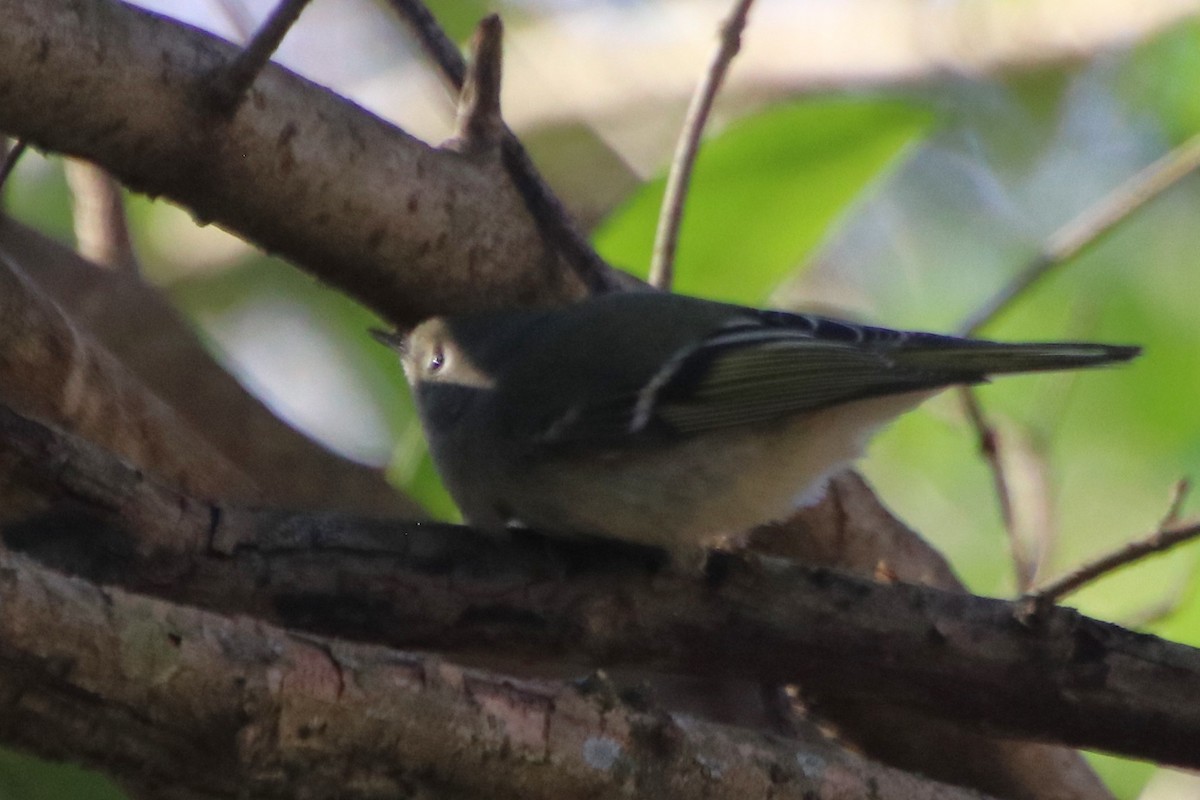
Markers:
669,420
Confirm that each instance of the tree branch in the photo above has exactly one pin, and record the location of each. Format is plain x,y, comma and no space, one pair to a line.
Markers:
161,349
52,370
179,702
408,229
1090,226
556,223
1068,679
1169,533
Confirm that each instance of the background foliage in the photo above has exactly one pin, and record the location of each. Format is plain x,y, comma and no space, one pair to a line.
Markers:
906,207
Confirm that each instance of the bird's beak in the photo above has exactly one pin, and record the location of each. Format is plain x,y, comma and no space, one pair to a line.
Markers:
393,339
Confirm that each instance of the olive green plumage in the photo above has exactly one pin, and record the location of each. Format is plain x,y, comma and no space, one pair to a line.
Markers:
664,418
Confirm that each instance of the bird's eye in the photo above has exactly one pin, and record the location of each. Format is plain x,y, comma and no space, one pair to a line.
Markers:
437,360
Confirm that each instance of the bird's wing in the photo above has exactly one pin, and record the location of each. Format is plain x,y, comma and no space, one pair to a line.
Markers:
761,366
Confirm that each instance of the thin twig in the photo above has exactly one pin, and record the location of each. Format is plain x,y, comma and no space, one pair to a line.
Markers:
11,159
1067,242
1168,534
101,225
553,219
666,239
230,84
989,446
1089,227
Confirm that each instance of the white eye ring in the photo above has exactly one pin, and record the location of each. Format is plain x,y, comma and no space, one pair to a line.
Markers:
437,360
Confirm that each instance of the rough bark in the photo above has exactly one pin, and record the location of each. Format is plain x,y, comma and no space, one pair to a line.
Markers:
179,702
409,229
413,230
851,530
1062,678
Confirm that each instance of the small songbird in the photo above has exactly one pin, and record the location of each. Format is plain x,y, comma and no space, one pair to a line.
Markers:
669,420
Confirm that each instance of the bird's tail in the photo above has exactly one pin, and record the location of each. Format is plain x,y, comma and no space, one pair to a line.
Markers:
997,358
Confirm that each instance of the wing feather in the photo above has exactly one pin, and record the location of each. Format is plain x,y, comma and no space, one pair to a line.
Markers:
756,367
759,366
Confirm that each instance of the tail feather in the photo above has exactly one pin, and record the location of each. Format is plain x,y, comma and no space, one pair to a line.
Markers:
997,358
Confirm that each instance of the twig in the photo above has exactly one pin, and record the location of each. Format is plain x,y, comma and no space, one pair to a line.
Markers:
666,239
101,226
989,446
480,123
552,218
1168,534
230,84
1067,242
1089,227
11,159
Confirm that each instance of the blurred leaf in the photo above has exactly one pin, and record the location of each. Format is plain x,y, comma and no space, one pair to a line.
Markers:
1161,80
413,471
764,193
1123,777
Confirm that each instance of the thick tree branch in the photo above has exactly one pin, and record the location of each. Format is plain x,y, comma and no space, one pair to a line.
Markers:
408,229
162,350
52,370
1068,679
850,530
178,702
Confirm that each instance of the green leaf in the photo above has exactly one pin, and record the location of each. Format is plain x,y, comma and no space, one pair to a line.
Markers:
764,194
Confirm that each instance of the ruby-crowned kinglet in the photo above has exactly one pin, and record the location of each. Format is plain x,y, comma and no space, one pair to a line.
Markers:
669,420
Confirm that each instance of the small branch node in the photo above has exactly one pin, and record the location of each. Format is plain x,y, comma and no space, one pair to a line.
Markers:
480,124
229,84
552,218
